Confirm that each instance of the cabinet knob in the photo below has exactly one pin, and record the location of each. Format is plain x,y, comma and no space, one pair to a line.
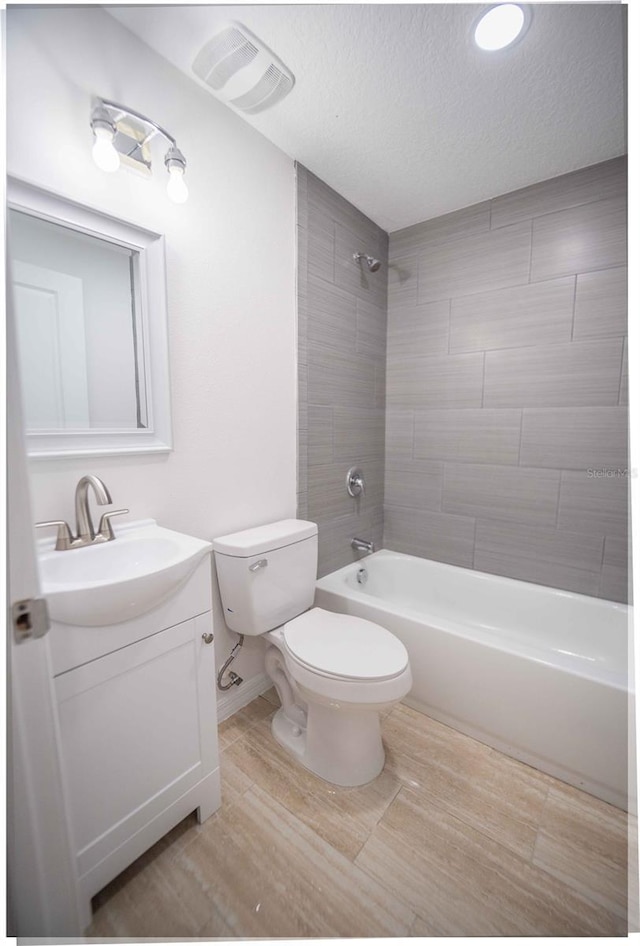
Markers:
207,638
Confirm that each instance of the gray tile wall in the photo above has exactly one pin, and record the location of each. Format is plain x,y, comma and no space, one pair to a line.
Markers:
342,328
506,425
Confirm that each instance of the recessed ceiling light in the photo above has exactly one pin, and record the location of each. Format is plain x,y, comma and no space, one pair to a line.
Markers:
500,26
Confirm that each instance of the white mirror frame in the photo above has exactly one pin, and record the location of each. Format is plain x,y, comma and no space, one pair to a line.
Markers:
156,438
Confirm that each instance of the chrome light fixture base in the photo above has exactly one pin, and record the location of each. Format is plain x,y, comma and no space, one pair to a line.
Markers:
123,135
101,120
174,158
134,153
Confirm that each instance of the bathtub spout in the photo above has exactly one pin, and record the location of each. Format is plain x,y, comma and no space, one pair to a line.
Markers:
361,545
273,665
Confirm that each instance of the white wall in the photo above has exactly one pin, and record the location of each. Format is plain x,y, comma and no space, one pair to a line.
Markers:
230,275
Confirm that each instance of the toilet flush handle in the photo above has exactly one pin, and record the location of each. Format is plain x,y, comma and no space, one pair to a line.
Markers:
261,563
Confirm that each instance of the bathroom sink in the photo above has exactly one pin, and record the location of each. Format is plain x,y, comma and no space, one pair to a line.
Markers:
119,580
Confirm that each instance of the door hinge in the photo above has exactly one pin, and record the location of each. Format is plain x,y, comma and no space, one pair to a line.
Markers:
30,618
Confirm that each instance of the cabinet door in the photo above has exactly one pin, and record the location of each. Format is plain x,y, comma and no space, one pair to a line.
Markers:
138,729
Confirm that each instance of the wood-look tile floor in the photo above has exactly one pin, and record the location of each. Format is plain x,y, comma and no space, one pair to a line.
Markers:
453,838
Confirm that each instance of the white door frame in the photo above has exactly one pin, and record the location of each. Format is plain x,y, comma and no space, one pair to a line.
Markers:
41,877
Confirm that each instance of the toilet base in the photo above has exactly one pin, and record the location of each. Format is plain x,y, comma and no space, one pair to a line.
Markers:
342,746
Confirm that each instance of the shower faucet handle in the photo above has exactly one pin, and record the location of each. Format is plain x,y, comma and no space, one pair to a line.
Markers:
355,482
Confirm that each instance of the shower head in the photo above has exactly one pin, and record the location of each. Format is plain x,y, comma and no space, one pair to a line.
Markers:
373,265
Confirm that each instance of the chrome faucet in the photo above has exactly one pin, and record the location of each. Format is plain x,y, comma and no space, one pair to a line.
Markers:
361,545
84,525
85,532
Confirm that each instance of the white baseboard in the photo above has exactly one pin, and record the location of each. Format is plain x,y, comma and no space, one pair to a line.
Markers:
233,700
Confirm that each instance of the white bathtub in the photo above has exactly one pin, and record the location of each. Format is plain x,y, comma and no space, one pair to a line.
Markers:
537,673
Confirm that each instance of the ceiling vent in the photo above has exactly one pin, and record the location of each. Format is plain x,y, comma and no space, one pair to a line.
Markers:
242,71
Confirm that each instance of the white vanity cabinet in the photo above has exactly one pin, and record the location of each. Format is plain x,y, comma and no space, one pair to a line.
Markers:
138,729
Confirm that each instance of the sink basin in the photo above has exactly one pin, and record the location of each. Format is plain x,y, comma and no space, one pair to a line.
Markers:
120,580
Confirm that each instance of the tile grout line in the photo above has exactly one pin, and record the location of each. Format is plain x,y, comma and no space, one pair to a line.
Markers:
522,410
467,825
301,827
621,371
625,343
583,203
571,882
539,827
558,499
373,828
473,548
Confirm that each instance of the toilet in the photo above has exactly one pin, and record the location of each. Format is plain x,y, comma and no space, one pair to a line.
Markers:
334,673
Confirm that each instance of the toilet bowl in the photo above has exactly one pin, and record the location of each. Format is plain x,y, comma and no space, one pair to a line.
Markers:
334,673
347,671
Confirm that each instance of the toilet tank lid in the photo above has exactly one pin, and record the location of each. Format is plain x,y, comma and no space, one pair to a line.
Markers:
267,538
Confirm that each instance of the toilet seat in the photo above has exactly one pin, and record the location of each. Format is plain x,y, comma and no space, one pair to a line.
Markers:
342,647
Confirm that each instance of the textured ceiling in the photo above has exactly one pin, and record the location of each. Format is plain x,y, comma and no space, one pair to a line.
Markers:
396,108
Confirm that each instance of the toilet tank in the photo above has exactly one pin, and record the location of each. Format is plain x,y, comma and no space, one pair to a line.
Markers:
267,575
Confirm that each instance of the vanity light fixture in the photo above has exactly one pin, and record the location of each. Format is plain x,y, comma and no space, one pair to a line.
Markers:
119,131
501,25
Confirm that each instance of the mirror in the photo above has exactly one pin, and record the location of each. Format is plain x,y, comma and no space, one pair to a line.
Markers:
91,320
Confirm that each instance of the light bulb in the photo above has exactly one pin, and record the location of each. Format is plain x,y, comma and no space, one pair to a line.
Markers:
500,26
104,152
176,187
